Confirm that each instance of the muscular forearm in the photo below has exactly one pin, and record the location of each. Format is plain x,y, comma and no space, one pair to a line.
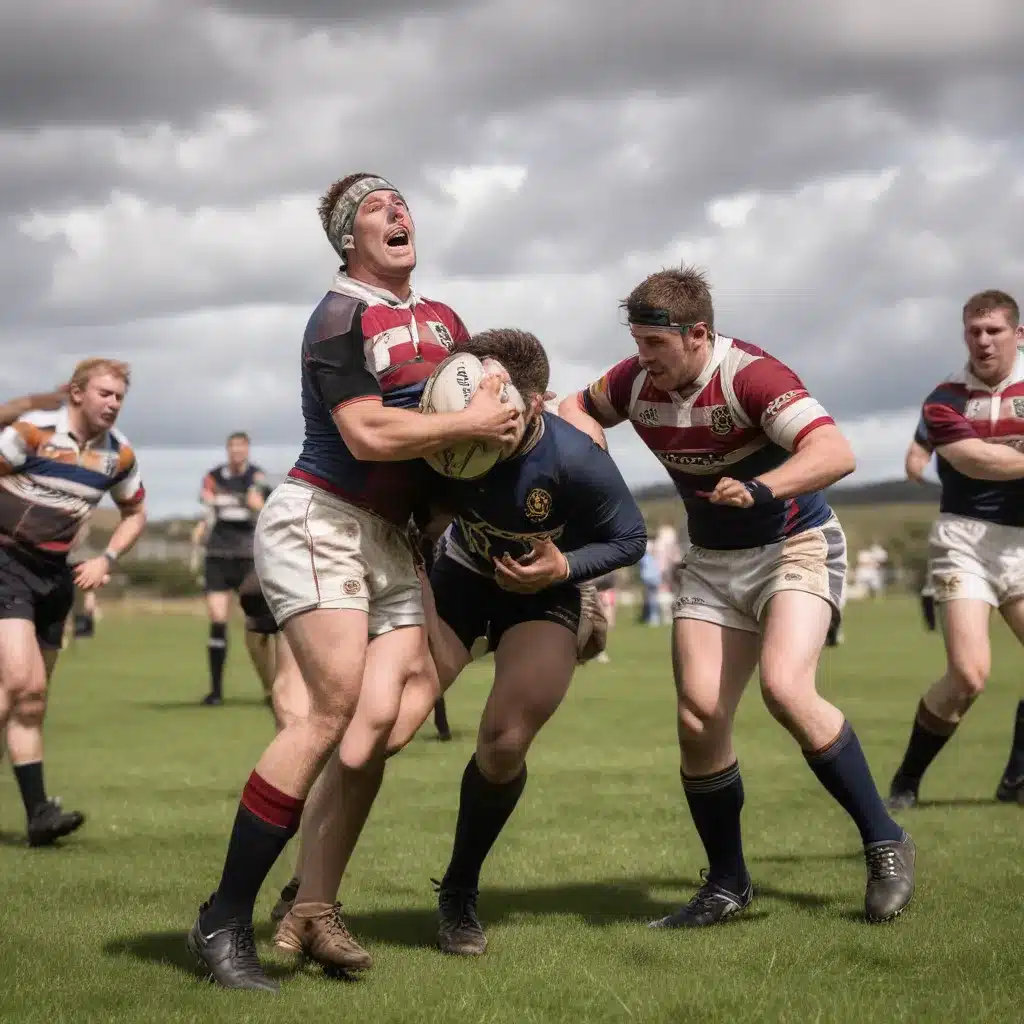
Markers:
984,461
127,532
811,468
395,435
13,410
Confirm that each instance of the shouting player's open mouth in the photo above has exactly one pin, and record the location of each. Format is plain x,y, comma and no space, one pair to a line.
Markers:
398,241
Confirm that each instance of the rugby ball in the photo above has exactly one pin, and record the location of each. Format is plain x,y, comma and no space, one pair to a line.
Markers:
450,388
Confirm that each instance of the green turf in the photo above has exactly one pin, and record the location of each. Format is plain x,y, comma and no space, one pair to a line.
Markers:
601,844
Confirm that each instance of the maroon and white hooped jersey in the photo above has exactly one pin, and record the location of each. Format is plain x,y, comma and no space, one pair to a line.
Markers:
963,407
744,415
365,344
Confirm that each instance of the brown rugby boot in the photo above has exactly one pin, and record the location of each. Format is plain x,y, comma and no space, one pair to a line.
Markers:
317,931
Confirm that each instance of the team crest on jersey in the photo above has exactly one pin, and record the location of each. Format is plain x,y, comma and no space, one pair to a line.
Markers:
441,332
972,411
648,416
1018,408
538,505
721,420
776,405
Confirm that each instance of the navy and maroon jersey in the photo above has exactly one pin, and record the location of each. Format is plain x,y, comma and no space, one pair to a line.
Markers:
233,523
363,343
50,482
562,486
741,417
961,408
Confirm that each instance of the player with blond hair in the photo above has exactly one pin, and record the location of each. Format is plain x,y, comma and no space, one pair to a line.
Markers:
55,467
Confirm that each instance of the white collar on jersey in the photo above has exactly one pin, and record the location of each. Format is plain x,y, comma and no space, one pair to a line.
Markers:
719,351
1015,376
369,294
61,424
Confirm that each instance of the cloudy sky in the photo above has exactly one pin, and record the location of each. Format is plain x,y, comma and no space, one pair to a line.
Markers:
847,171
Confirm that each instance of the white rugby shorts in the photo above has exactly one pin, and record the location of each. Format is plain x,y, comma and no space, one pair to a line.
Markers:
970,559
314,550
732,588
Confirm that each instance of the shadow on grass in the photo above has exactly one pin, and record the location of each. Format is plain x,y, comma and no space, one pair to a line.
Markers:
599,904
169,950
962,801
197,705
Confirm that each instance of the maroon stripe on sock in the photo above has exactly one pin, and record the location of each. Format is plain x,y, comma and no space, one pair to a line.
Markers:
270,804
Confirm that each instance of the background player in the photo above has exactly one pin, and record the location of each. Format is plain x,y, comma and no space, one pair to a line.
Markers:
749,451
555,513
332,551
55,468
232,495
974,422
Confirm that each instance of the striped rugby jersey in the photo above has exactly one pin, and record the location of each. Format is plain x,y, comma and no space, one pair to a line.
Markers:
741,417
364,343
49,482
963,407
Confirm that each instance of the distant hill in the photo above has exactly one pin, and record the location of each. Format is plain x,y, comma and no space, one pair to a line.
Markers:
886,492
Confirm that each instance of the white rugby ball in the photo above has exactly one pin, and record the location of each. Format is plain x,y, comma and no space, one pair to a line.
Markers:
450,388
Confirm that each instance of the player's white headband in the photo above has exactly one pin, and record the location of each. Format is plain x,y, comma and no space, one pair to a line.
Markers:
343,216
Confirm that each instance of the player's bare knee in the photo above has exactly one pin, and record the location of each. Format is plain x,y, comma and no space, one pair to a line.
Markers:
701,716
968,678
29,705
501,751
329,718
784,701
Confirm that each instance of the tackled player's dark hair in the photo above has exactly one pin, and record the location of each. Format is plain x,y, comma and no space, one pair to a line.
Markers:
683,291
520,352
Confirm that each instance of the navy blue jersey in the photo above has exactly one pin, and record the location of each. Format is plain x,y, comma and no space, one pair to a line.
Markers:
561,485
362,343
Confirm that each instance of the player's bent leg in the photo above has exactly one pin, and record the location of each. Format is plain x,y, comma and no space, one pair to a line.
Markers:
712,663
1011,785
25,671
272,800
263,655
289,701
794,628
965,632
533,667
342,800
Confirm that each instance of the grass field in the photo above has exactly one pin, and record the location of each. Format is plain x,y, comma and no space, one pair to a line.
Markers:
601,844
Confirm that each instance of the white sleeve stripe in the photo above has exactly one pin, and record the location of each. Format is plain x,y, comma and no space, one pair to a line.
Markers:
784,428
13,447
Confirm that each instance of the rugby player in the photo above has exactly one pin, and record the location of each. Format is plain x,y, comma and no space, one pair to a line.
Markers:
974,423
554,514
749,451
55,467
332,552
232,495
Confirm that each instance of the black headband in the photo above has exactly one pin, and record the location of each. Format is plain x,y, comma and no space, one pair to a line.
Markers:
654,316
